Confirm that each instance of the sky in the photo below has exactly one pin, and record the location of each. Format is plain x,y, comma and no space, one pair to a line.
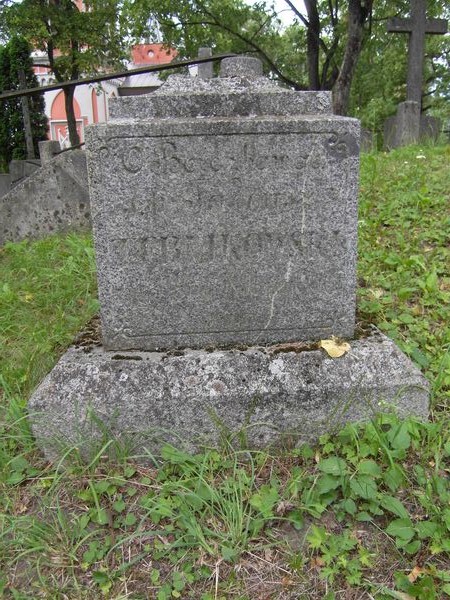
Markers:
285,13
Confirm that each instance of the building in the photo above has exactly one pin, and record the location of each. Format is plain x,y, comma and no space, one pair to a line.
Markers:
91,100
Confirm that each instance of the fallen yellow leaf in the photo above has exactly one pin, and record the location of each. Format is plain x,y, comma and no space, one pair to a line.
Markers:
334,347
415,573
317,561
26,297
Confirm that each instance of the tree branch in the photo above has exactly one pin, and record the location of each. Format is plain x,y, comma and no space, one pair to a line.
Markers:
297,13
217,23
306,23
258,31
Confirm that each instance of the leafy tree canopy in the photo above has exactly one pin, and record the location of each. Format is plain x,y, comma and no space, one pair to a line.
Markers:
15,56
331,45
309,53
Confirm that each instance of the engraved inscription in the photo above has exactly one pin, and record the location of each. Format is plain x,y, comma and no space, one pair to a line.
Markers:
162,156
132,159
227,247
204,198
103,153
342,146
224,235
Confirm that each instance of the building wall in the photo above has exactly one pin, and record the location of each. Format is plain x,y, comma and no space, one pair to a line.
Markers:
91,100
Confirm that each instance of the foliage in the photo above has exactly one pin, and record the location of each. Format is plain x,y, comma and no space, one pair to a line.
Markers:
404,255
75,41
380,78
317,51
85,39
15,56
301,58
46,294
301,55
355,513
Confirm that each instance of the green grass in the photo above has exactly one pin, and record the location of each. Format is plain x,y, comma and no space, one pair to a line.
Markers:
47,292
404,256
363,514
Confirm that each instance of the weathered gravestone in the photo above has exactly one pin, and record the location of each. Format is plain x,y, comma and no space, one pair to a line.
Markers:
241,224
409,125
225,215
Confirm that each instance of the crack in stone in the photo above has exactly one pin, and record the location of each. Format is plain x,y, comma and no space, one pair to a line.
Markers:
286,278
305,178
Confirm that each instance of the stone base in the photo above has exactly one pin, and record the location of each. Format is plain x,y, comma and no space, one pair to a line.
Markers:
409,126
273,395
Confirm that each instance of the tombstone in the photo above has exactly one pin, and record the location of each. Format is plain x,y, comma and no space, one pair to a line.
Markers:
409,125
205,70
225,216
48,149
368,140
233,245
403,128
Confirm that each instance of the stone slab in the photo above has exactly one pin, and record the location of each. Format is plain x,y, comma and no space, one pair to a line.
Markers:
209,98
408,126
276,397
224,230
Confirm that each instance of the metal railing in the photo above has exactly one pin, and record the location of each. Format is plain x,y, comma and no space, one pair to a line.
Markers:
117,74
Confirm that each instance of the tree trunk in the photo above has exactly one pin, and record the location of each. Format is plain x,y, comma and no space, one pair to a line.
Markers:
358,12
71,119
313,42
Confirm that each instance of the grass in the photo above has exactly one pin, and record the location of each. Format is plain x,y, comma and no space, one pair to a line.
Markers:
364,514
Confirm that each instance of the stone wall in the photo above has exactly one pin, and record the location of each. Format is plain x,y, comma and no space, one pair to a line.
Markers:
5,183
53,199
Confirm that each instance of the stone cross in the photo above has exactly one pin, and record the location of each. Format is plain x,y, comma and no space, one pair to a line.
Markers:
417,26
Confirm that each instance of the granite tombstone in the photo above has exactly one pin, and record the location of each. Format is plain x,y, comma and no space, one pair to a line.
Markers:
227,217
224,213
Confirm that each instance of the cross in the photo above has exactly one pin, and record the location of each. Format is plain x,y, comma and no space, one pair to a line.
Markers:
417,26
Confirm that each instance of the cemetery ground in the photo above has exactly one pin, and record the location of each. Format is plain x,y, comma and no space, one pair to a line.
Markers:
363,514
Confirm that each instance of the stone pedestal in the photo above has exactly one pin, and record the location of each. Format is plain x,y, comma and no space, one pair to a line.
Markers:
267,396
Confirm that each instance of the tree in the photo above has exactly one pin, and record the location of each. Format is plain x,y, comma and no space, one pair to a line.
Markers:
78,39
379,82
331,45
327,39
15,56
